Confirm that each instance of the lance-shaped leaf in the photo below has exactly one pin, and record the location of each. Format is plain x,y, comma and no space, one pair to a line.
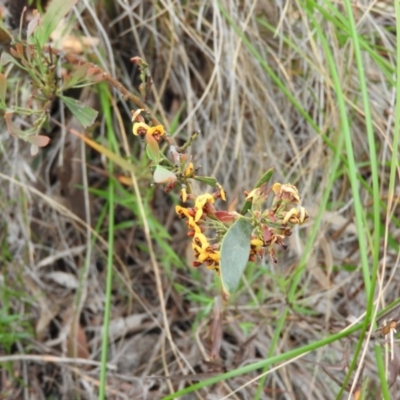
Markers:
55,12
235,251
162,175
208,180
84,114
264,179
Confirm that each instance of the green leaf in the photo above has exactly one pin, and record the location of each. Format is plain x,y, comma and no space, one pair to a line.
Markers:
162,174
264,179
208,180
55,12
3,88
235,250
85,115
152,148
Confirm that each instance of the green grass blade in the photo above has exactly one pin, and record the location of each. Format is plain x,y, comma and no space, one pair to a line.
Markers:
370,274
106,106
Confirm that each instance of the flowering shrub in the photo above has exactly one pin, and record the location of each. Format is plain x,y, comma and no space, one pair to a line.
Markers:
223,241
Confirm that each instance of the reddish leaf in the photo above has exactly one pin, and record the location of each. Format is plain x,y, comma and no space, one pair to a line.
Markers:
95,74
14,53
226,216
20,50
36,142
39,140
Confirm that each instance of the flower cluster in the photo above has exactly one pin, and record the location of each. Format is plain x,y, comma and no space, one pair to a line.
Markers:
270,226
199,219
274,224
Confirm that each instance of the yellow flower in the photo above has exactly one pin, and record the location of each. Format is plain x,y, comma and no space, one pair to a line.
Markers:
215,256
254,195
156,131
200,202
286,192
201,247
213,264
204,252
276,187
200,240
256,243
193,225
295,216
140,128
183,195
183,212
189,172
222,192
